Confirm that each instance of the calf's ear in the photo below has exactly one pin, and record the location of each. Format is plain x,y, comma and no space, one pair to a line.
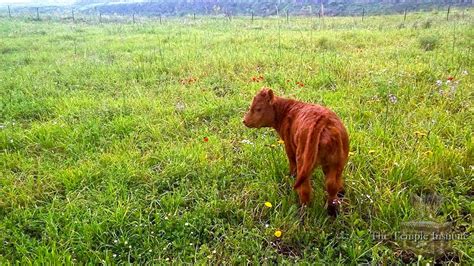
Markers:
270,96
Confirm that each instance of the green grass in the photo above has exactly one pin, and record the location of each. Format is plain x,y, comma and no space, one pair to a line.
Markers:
103,155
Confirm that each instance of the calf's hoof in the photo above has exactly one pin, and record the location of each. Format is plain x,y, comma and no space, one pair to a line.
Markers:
333,208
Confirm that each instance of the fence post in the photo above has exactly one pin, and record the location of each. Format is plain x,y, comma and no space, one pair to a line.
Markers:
9,12
321,15
287,16
447,14
160,18
252,16
363,13
405,16
194,16
73,18
37,14
100,17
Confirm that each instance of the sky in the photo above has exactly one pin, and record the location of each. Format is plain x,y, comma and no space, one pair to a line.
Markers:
36,1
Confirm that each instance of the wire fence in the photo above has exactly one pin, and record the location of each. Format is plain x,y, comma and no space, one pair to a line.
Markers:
77,16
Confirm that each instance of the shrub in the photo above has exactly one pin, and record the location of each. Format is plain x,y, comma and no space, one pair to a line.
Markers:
326,43
426,24
429,43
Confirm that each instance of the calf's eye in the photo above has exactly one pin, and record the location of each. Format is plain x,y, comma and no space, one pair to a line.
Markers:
258,109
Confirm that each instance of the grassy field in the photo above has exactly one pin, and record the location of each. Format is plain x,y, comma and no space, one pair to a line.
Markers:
124,142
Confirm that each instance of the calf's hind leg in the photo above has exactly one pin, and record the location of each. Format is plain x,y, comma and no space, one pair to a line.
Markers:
305,163
333,186
304,192
290,153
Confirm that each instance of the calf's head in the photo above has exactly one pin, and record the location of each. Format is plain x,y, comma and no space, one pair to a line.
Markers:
261,112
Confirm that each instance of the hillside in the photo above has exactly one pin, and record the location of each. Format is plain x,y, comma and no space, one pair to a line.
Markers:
266,7
242,7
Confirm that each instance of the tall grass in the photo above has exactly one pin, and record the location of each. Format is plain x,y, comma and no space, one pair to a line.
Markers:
103,157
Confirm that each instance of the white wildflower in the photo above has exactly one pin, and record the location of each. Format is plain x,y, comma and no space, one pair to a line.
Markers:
368,196
439,82
392,98
246,141
180,106
452,90
465,73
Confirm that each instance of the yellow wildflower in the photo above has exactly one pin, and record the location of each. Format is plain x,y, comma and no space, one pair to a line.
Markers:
371,151
268,204
281,141
420,134
278,233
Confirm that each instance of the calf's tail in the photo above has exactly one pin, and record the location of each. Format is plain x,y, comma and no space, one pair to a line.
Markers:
310,154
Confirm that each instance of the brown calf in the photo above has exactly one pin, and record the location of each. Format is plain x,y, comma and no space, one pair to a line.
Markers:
313,136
